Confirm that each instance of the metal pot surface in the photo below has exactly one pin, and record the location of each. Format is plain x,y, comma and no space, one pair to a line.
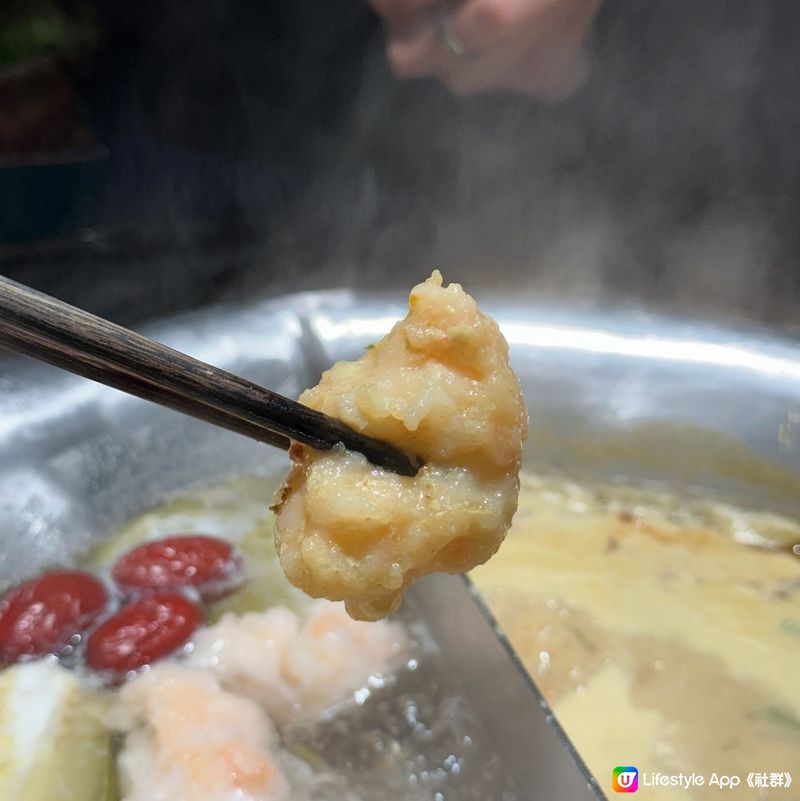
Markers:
611,396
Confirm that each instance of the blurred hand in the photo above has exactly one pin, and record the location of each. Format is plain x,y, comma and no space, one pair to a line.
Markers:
540,47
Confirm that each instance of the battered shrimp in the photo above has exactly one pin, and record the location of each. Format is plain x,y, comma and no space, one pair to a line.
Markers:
438,385
295,668
190,740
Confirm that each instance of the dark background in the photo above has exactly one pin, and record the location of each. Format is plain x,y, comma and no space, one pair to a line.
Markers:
255,148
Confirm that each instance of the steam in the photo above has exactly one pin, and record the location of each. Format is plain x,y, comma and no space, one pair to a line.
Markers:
669,180
654,185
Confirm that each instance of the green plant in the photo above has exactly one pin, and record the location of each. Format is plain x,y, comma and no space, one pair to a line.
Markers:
33,29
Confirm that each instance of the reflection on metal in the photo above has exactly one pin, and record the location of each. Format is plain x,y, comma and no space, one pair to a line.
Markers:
685,351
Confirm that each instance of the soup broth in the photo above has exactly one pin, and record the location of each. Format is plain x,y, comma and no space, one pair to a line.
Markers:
664,631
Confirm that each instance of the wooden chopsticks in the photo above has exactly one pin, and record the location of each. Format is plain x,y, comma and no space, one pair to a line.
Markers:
40,326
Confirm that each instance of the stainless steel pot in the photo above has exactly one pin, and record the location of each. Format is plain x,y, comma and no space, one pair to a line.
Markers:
610,395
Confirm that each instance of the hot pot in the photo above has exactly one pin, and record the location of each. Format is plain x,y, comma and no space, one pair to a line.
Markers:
612,395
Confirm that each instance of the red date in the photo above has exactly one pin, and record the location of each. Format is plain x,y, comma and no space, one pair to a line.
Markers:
41,616
207,564
142,632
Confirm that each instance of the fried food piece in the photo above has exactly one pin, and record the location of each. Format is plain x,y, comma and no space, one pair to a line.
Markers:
438,385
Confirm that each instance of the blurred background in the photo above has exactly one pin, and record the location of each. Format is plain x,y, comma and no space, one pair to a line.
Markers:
156,156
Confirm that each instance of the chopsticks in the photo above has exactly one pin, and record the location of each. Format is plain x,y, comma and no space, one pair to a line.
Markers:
37,325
